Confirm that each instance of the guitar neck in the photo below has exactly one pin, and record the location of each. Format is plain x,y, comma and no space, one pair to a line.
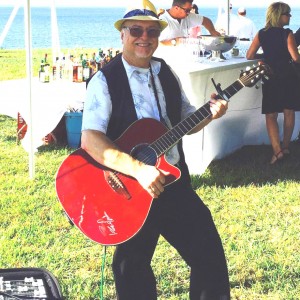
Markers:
174,135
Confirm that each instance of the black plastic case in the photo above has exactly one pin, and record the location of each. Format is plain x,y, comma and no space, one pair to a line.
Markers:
28,283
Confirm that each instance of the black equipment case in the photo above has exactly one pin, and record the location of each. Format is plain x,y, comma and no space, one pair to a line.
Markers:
28,283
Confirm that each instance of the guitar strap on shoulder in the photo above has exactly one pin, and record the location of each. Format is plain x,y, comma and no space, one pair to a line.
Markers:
156,95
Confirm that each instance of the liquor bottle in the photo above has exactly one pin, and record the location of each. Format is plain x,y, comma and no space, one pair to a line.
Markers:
69,68
93,65
100,59
47,69
63,67
85,68
42,71
55,69
78,70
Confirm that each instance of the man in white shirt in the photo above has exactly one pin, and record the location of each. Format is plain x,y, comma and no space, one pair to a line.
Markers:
180,21
246,27
221,23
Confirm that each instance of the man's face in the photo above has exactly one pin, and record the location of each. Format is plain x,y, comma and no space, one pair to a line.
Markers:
140,40
183,11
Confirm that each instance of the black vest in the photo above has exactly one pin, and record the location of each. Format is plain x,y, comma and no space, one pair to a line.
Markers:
123,110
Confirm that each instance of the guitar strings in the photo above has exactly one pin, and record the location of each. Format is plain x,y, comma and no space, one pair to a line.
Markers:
162,144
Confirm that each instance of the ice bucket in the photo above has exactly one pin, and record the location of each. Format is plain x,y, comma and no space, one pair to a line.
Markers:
217,44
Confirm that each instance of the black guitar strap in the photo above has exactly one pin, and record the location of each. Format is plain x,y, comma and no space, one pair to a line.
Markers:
156,95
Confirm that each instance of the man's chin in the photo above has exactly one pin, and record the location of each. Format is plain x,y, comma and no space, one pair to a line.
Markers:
144,53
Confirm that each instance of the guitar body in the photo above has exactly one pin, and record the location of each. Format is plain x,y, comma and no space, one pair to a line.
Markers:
110,207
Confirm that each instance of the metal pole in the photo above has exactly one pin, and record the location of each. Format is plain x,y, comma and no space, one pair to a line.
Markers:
54,33
9,22
227,13
28,47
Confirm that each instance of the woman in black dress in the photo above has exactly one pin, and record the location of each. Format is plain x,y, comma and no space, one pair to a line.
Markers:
281,92
297,37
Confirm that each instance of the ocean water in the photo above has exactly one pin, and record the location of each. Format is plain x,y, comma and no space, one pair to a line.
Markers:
90,27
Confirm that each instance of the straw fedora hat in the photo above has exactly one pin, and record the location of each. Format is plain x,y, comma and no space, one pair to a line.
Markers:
142,10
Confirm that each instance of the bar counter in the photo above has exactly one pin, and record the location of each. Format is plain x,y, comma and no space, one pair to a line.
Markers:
243,124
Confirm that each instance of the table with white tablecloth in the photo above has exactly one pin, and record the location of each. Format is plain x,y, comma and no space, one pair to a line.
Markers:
49,102
243,123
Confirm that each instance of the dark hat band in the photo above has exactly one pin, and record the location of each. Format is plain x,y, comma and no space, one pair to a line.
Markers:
140,12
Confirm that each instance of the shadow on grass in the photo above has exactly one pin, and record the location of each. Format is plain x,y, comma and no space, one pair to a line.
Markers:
248,165
251,165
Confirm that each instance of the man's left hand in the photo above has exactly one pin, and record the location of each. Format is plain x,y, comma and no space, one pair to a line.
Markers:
218,108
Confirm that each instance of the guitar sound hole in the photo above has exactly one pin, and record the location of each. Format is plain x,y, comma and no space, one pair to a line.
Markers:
145,154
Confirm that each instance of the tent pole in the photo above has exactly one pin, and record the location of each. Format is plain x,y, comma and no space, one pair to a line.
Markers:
28,47
227,13
9,22
55,34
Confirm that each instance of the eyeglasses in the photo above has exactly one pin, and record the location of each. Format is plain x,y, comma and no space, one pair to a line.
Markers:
286,14
139,31
187,10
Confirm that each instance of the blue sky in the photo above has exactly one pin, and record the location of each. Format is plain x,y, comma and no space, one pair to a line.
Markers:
157,3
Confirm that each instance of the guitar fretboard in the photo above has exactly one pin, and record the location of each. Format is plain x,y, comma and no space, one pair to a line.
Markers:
174,135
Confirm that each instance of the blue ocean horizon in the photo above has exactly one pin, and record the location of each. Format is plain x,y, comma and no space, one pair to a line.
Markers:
88,27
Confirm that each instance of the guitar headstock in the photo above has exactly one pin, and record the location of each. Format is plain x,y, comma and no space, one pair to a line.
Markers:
250,77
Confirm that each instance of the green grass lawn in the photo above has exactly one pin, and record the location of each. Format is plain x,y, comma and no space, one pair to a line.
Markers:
255,206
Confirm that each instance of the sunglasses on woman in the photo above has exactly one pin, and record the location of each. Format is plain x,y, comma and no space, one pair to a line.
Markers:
139,31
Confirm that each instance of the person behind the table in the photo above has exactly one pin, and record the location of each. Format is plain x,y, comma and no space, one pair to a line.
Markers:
180,20
195,32
221,23
246,29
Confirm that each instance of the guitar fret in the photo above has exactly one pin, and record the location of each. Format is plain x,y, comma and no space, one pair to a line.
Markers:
159,146
170,138
233,89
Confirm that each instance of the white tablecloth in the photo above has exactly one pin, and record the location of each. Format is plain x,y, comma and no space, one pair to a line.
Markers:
49,103
243,123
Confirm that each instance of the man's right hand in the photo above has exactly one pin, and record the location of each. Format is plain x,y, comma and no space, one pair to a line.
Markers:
151,179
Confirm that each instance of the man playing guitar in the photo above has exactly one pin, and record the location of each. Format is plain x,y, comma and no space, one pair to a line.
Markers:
135,86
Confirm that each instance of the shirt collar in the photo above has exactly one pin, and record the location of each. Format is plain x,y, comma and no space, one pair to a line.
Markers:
131,69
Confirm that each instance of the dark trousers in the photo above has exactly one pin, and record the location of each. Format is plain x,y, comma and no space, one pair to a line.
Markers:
185,222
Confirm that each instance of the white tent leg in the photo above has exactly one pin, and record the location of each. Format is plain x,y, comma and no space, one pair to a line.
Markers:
28,47
9,22
54,33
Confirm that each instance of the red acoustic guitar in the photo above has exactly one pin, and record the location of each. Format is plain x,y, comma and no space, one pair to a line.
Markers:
110,207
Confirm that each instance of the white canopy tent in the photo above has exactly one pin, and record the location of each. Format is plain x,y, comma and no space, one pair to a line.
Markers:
28,47
55,52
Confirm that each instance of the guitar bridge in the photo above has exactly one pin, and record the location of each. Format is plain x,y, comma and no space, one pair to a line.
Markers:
116,184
